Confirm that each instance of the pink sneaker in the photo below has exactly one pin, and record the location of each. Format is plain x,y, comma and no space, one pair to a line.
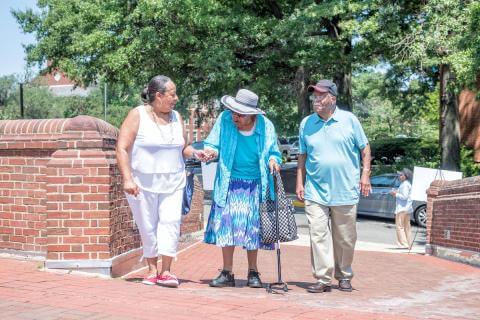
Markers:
150,280
168,280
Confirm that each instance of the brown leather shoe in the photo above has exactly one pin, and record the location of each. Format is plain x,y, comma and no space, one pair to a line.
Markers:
319,288
345,285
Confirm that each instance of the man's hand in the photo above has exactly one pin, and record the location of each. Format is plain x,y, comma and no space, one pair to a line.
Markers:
300,192
131,187
273,166
365,187
300,189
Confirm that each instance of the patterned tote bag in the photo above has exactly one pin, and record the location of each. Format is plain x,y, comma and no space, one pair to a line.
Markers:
282,209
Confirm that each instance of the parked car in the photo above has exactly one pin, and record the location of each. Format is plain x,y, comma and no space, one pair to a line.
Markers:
380,203
294,150
289,150
292,139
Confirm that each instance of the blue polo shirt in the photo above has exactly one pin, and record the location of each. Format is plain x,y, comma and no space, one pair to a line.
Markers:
332,163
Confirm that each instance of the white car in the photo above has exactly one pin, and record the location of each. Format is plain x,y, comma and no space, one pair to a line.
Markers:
288,150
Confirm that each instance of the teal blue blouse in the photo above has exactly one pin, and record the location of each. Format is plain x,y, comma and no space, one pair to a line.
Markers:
223,139
245,161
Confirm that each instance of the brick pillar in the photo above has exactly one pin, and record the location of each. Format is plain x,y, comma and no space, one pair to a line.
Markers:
78,205
89,225
455,217
432,193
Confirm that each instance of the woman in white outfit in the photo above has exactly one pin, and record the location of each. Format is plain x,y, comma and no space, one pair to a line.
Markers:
150,154
403,209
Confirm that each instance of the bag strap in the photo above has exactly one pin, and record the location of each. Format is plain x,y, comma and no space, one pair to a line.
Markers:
280,191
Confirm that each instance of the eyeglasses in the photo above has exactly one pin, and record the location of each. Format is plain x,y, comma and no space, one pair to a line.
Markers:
238,115
319,97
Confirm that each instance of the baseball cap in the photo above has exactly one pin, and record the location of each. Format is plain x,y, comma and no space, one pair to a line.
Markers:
324,86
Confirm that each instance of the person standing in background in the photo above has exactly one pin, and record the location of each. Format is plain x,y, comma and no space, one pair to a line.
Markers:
403,209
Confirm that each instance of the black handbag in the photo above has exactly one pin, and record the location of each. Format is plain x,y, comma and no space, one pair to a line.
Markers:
279,211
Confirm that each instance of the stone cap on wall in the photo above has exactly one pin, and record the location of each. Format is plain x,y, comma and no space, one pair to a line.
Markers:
461,186
56,133
53,126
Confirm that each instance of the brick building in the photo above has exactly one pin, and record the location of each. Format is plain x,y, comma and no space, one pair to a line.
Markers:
60,84
201,120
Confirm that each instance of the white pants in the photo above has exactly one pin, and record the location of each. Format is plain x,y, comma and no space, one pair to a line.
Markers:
158,217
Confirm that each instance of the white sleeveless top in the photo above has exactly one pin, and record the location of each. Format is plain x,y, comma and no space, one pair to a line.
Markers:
157,154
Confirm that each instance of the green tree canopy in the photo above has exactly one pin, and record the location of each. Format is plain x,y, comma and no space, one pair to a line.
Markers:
274,47
209,47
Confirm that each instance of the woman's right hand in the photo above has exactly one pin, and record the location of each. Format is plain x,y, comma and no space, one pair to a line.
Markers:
131,187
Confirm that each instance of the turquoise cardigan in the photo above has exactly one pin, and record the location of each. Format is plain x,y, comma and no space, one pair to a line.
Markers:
223,140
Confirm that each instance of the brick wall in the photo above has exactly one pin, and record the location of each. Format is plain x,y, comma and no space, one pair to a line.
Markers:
61,191
453,225
193,221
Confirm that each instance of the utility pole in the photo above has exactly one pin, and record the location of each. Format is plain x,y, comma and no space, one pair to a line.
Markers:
21,100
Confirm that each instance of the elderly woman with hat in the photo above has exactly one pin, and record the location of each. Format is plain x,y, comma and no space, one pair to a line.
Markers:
403,209
245,142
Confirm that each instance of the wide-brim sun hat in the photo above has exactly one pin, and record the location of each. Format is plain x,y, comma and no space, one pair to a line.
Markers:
245,102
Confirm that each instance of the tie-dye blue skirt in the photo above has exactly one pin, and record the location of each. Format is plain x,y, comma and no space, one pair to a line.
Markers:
238,223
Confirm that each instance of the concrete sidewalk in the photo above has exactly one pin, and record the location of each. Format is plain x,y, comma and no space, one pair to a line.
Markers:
387,286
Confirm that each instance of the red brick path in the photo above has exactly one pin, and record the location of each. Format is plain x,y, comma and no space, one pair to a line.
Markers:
387,286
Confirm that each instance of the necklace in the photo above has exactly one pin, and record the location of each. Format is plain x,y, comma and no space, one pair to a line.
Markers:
169,124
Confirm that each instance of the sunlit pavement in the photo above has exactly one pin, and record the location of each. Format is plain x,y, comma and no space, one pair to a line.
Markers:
391,284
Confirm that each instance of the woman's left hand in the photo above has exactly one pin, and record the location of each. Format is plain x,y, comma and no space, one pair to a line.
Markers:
274,166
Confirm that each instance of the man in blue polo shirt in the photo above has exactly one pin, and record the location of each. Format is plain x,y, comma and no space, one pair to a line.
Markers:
332,142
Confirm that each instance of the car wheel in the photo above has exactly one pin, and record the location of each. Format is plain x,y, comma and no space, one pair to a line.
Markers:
421,216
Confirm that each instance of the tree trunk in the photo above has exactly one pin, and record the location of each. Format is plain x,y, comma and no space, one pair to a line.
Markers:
301,83
343,78
344,87
449,122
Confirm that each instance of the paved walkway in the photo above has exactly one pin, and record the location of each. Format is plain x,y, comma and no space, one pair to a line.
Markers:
387,286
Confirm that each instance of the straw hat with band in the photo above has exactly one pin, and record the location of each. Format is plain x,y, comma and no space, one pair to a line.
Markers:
245,102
